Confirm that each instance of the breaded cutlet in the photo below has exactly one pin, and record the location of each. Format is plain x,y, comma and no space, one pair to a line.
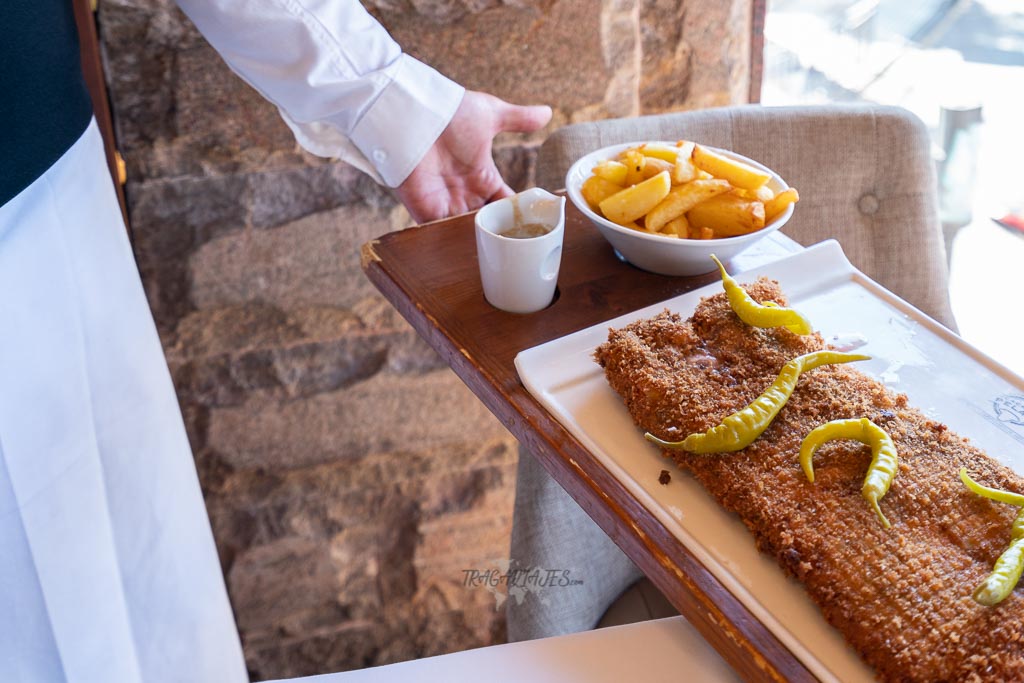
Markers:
901,597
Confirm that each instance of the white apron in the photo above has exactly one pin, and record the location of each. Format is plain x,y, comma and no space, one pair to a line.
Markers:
108,570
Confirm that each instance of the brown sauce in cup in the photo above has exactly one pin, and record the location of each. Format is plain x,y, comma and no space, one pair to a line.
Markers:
526,230
523,231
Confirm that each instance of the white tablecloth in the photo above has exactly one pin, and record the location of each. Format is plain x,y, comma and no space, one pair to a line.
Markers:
650,651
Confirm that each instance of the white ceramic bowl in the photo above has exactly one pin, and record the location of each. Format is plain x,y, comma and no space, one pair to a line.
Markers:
660,253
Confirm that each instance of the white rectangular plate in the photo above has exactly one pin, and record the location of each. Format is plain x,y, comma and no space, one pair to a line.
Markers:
941,374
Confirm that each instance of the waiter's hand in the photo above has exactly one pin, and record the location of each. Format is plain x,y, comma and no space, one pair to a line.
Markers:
458,173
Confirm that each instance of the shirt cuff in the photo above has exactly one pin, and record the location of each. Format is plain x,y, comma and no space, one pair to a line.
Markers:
395,131
401,125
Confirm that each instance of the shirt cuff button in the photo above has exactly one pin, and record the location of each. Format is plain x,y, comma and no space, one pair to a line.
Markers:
379,155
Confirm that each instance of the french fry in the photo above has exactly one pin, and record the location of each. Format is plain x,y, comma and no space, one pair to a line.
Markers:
653,166
634,202
596,189
635,162
664,152
736,172
612,171
778,204
728,215
679,227
764,194
761,194
683,171
682,198
684,190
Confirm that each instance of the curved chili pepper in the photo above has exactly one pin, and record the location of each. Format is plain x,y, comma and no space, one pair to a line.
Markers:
769,314
1007,570
1015,499
1004,577
739,429
884,462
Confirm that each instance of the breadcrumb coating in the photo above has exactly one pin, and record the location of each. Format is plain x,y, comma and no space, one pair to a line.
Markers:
902,597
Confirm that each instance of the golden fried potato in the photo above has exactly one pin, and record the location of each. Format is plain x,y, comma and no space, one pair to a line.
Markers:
778,204
686,148
612,171
728,215
666,153
677,227
635,163
683,190
761,194
682,198
736,172
653,166
683,171
596,189
634,202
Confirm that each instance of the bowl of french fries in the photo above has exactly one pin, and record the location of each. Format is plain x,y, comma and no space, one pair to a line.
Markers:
666,207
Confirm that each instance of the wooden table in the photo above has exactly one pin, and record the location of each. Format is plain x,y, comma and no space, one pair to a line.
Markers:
429,273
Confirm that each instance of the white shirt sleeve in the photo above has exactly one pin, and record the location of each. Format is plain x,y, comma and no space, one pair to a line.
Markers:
340,81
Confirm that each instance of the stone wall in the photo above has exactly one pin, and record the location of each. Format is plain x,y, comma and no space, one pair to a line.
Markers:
349,476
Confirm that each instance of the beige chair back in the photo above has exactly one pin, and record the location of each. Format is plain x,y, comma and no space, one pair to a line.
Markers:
864,174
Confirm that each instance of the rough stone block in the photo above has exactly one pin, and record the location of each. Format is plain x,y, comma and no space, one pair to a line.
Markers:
665,71
719,73
433,410
311,261
212,332
284,196
138,40
295,371
517,164
220,114
385,526
544,51
189,210
169,219
263,596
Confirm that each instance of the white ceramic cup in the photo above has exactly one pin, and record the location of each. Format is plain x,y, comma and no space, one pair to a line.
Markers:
519,274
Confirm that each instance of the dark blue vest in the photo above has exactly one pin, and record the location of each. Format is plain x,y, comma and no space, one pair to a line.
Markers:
44,105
